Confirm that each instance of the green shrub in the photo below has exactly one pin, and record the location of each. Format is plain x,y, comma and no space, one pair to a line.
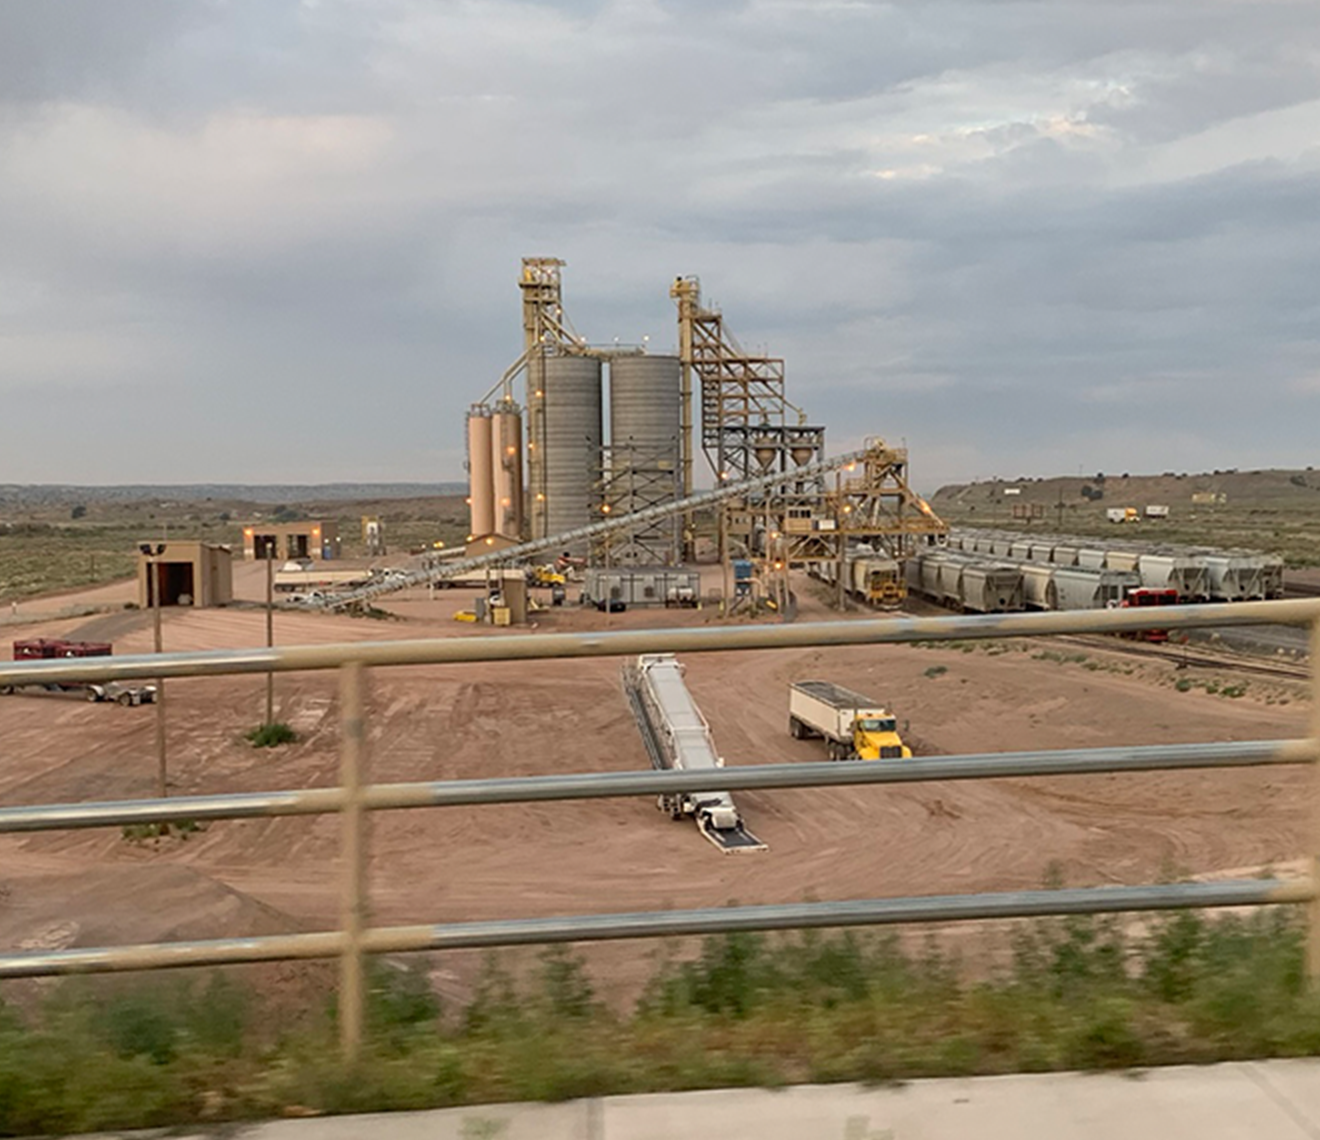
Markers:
271,735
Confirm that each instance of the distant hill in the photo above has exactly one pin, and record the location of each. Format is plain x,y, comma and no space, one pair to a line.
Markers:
1245,489
45,494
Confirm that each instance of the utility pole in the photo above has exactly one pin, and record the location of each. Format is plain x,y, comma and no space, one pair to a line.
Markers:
270,629
153,554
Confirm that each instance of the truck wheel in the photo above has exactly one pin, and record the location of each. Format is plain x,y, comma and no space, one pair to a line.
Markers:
795,728
93,696
5,690
125,699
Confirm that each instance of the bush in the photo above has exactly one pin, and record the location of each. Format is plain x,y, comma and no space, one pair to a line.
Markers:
271,735
743,1010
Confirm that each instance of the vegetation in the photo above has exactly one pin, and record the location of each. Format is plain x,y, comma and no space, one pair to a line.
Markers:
746,1010
271,735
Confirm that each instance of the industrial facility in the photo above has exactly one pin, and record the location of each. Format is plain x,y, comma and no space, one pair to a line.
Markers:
596,462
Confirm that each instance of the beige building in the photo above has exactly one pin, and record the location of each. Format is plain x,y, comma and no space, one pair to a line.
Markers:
185,573
311,538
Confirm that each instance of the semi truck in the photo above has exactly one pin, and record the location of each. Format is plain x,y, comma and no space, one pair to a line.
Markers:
852,726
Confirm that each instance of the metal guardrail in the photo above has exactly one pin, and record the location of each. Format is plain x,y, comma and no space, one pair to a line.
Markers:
353,799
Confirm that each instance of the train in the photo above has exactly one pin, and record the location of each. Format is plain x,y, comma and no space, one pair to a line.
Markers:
1197,573
868,578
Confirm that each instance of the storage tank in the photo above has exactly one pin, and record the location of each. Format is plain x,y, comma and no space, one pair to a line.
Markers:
481,494
644,453
570,443
506,469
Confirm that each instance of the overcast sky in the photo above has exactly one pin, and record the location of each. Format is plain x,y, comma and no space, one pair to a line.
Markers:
264,240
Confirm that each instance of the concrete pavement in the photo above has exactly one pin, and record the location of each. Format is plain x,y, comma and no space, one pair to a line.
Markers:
1272,1100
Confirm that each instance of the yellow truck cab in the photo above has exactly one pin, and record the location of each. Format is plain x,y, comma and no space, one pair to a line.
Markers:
876,738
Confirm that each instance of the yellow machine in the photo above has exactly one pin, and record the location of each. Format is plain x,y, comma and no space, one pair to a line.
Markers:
546,576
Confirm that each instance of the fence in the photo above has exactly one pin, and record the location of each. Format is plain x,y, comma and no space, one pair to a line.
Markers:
353,799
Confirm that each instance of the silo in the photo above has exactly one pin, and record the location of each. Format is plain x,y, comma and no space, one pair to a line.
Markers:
481,494
644,452
570,443
506,459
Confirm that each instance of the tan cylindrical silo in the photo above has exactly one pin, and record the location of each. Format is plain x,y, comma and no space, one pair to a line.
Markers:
481,491
507,469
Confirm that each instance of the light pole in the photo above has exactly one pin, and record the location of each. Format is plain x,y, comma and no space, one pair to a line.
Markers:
270,629
153,554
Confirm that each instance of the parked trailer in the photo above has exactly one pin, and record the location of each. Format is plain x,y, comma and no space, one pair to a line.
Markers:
1272,576
1186,573
49,648
964,582
853,727
1116,559
305,581
1234,577
1038,592
988,588
1081,589
677,736
643,585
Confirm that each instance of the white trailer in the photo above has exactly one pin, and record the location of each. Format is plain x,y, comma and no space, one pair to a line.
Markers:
677,736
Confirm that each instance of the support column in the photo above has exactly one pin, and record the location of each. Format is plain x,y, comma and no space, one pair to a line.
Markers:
353,850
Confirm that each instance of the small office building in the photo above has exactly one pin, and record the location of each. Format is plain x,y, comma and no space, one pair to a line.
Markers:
185,574
311,538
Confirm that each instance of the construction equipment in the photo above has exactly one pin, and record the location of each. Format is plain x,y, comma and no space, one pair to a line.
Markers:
853,726
676,736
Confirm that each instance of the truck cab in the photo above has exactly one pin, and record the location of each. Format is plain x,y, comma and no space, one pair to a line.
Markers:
876,738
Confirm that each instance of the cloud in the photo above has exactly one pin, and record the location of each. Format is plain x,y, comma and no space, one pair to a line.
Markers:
992,229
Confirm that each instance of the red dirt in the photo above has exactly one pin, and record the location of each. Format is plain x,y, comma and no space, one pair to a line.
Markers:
443,722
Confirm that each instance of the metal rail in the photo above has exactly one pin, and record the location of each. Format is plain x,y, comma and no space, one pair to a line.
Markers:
617,785
526,647
356,797
657,924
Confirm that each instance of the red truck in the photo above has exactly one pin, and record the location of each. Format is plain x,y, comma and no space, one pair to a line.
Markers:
50,649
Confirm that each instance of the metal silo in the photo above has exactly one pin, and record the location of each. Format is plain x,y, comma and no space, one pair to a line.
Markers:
645,453
481,495
569,438
506,465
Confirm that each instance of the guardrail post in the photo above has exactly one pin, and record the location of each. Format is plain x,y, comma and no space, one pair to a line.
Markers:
1313,908
353,913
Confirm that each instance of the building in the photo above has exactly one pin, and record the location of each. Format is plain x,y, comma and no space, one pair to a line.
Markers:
186,573
310,538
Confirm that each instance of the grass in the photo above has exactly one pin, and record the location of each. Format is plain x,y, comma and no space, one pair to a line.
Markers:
745,1010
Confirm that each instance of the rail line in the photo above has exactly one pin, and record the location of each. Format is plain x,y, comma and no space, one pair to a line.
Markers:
1180,657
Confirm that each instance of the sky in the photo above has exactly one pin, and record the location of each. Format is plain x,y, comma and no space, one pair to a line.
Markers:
278,241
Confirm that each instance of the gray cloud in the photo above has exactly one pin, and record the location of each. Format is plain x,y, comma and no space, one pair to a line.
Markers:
1058,233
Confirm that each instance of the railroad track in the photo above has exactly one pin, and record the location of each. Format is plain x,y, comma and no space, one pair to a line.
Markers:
1183,658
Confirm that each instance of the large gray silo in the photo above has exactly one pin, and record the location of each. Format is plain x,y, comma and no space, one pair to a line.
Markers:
644,468
569,439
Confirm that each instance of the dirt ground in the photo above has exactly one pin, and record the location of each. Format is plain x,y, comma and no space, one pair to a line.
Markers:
444,722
